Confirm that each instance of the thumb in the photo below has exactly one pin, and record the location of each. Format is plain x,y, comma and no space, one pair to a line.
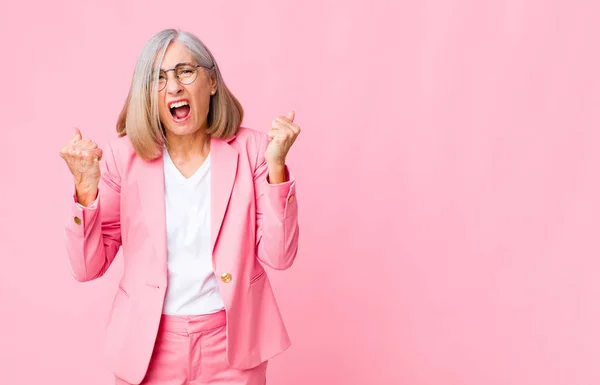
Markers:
76,134
291,115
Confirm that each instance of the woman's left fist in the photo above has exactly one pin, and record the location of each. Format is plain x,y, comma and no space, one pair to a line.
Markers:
282,135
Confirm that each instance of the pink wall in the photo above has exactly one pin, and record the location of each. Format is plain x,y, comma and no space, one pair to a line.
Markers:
448,177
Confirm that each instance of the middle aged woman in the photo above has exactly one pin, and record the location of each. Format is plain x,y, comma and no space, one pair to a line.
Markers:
198,204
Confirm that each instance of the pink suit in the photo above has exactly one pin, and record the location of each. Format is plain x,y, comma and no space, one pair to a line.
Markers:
251,221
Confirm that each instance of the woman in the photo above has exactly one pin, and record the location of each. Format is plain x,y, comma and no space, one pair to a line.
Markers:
197,203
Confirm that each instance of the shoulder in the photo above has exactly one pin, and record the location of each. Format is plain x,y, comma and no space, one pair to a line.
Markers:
120,150
121,145
246,134
252,143
118,155
250,140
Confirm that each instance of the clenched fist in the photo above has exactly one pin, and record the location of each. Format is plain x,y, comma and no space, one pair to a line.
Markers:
82,156
282,135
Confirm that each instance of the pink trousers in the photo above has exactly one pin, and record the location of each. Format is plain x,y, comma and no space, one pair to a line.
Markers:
190,350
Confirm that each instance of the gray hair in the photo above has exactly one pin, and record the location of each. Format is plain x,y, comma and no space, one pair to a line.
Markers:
139,118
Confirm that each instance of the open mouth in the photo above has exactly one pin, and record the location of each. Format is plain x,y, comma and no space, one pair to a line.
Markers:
180,110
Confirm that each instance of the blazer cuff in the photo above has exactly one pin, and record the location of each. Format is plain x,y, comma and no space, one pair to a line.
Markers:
282,196
80,217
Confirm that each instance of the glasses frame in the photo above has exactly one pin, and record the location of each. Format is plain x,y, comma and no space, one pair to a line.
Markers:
196,67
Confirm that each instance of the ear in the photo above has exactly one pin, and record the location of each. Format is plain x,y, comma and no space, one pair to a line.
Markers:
213,83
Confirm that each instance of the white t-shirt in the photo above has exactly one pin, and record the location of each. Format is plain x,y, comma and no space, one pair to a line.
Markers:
192,285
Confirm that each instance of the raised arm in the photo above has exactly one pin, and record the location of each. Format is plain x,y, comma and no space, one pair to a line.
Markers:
92,230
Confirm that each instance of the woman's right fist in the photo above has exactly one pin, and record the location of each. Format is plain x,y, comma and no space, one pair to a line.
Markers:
82,156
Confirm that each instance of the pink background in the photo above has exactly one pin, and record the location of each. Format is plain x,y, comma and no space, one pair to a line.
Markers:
448,181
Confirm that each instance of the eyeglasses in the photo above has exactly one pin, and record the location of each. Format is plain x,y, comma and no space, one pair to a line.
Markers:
185,73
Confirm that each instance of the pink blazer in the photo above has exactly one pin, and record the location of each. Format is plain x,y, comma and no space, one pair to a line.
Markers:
252,221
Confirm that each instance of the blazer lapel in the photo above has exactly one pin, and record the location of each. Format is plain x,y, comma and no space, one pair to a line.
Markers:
151,183
224,160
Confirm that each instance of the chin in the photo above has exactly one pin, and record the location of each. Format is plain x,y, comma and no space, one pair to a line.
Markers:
181,129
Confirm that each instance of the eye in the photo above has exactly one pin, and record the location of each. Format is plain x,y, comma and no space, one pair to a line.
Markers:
185,71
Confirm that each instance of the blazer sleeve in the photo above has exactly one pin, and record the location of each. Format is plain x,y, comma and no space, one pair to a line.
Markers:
93,233
276,215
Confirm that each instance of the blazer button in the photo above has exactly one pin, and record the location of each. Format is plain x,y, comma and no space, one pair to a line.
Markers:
77,220
226,277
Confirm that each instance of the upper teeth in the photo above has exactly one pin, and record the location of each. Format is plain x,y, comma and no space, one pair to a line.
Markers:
178,104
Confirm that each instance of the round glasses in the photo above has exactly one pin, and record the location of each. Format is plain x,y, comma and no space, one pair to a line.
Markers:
185,73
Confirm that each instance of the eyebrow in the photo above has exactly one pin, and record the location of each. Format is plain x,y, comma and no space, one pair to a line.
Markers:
177,65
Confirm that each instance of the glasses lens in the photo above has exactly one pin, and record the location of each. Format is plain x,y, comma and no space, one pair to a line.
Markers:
187,74
162,80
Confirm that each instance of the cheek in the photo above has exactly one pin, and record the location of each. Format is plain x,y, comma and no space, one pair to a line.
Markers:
201,107
161,106
200,102
164,116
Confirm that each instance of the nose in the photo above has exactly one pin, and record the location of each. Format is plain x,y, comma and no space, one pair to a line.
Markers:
173,85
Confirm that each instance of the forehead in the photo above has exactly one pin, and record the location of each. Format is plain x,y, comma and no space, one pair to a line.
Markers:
176,53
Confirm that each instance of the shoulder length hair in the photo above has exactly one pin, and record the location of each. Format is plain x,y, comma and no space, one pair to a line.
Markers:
139,118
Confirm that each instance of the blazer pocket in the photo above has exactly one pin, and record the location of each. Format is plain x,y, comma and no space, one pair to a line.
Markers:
258,276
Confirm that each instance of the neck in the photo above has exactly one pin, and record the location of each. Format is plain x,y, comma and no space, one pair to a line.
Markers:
188,146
